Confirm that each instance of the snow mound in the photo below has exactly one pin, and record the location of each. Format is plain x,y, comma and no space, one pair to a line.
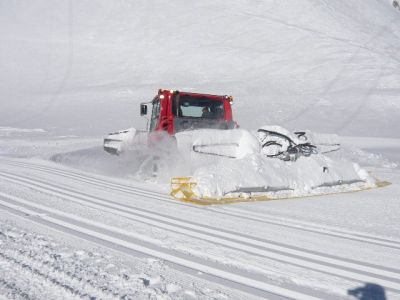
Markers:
230,163
255,174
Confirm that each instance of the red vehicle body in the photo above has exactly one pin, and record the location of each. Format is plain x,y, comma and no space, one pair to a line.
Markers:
174,111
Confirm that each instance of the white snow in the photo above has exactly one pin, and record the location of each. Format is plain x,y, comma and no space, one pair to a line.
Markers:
302,177
76,222
235,143
328,66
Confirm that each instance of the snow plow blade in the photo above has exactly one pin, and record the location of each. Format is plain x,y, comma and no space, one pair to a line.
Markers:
184,189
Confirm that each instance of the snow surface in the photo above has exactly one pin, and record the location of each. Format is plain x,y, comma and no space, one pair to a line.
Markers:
76,222
75,67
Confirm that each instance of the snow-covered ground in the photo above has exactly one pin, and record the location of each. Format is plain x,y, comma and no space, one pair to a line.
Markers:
329,66
73,226
76,222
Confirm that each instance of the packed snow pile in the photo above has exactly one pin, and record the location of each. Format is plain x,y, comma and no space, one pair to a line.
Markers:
257,175
237,143
236,163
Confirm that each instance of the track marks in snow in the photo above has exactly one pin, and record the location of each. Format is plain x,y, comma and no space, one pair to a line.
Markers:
335,266
96,230
303,226
334,82
196,230
226,210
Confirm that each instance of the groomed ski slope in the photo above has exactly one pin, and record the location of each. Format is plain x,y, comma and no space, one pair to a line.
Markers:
76,223
63,226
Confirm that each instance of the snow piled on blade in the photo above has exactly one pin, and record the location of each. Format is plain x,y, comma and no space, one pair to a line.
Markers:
256,175
235,143
223,164
229,164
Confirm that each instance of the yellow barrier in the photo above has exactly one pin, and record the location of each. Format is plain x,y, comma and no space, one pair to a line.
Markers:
182,189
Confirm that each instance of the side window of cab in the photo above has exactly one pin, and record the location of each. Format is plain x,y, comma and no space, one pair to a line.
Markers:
155,114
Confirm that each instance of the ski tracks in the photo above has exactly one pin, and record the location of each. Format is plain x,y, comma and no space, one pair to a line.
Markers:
356,271
230,210
141,244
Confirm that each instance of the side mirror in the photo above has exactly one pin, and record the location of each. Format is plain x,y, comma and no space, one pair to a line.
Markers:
143,109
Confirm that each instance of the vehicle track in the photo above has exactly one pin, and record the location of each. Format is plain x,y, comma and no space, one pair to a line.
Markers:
117,238
304,226
158,216
352,270
226,210
94,181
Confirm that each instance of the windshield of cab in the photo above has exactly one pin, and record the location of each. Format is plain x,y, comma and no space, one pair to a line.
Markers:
198,107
